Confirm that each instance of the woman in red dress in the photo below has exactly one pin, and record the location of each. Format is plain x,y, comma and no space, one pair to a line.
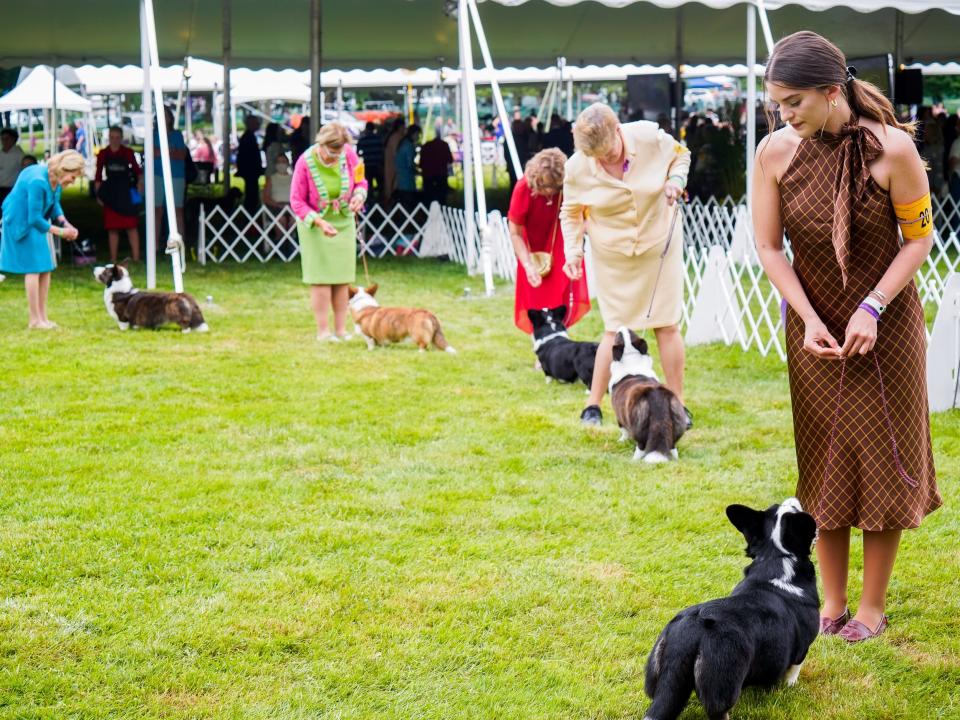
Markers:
120,212
534,228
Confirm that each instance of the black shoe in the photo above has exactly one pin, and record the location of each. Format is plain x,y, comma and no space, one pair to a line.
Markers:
689,417
591,416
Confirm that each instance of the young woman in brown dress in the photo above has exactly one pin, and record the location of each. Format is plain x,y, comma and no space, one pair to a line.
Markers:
839,179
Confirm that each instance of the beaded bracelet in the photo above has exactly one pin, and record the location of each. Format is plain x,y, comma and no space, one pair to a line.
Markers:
678,180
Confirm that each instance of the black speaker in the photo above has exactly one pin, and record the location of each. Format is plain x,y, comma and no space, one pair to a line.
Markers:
648,96
908,87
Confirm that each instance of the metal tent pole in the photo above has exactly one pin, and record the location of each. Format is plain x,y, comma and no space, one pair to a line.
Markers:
751,97
316,49
149,178
495,87
226,32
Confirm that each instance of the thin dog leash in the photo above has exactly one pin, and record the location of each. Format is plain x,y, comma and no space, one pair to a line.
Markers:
666,248
833,431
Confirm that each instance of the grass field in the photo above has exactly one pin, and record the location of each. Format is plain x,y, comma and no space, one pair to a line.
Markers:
247,524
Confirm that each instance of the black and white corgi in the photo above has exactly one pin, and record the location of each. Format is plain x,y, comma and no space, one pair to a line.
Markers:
757,635
132,308
648,412
560,357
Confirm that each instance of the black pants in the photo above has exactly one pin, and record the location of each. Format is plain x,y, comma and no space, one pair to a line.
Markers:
251,193
4,191
435,188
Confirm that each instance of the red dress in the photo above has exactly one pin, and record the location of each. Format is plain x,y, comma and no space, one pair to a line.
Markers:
121,170
537,216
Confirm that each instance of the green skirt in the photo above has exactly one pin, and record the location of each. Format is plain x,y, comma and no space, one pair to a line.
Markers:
329,260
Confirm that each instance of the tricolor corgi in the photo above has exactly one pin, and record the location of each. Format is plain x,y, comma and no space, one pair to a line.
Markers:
132,308
647,411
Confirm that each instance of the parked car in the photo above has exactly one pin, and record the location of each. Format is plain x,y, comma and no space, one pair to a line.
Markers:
377,111
133,126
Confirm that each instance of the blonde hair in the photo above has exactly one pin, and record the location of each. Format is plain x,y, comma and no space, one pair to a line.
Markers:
333,135
595,132
68,161
544,171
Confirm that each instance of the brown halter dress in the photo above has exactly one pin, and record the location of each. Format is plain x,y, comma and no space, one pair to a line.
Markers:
863,450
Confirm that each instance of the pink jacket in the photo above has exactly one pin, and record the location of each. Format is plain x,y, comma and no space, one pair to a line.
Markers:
304,198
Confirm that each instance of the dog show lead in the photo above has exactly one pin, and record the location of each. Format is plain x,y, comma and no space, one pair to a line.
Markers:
839,179
327,190
619,188
29,212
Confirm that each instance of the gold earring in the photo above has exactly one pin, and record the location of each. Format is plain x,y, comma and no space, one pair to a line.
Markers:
833,103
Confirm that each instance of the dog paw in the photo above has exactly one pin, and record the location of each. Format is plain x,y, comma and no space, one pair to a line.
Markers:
655,458
203,327
123,326
451,350
624,435
793,674
185,330
639,454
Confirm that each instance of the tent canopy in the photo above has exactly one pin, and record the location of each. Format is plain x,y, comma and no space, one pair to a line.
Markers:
418,33
36,93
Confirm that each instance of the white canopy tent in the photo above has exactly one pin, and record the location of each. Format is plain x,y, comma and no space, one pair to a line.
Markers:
39,91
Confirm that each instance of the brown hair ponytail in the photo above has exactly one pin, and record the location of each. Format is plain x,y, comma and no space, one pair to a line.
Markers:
806,60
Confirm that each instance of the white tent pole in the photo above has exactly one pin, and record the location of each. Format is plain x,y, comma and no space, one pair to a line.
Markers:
570,98
751,98
175,248
467,131
226,33
678,83
765,25
53,111
495,87
486,257
148,160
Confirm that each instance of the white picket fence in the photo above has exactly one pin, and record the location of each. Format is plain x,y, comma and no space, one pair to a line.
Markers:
727,296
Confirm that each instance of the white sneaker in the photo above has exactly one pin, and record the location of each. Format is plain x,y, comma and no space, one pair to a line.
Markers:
346,336
328,337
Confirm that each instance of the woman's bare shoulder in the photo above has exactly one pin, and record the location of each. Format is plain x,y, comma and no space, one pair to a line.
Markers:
776,150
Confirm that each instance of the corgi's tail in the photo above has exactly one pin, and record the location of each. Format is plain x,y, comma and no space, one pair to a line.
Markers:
440,340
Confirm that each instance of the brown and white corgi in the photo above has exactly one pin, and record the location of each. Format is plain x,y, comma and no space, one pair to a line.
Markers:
648,412
132,308
381,325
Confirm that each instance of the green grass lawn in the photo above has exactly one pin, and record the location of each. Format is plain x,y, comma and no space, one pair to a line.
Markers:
247,524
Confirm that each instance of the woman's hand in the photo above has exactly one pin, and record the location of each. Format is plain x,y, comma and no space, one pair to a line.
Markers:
533,277
672,191
328,229
69,232
573,268
818,341
356,203
861,334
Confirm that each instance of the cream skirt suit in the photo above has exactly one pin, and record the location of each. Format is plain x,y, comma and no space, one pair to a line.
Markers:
627,222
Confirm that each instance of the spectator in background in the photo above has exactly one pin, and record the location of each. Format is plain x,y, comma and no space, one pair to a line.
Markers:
81,138
276,192
204,156
249,166
67,138
300,138
27,161
273,146
117,174
370,150
435,161
953,166
932,149
11,161
406,162
178,172
560,135
390,146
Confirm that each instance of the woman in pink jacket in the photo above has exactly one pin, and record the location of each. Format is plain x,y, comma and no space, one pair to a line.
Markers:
327,190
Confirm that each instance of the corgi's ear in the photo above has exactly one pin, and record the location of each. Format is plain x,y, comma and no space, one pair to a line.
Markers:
747,520
534,315
351,291
559,313
125,263
797,533
372,290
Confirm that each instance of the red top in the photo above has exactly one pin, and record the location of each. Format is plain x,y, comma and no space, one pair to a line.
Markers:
123,156
538,215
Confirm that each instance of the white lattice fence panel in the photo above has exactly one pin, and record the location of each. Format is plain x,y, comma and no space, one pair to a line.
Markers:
397,231
265,235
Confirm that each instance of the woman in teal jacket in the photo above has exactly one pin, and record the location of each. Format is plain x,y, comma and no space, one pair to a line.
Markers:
27,214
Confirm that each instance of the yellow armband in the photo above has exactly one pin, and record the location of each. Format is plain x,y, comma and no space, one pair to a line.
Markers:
916,218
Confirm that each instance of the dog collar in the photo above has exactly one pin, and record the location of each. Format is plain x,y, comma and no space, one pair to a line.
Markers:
362,303
537,344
